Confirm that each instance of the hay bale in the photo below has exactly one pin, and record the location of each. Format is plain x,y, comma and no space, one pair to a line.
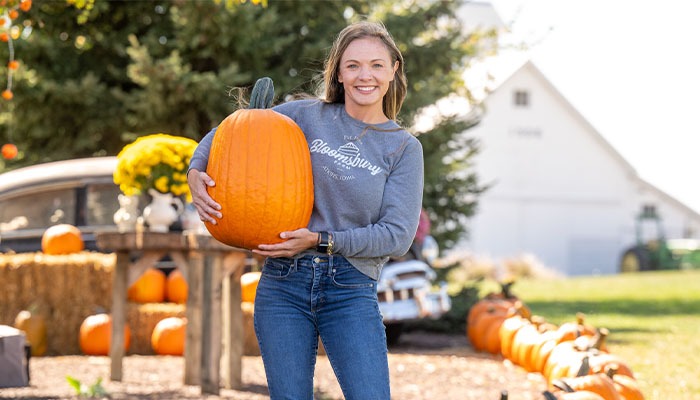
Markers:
64,289
142,319
250,341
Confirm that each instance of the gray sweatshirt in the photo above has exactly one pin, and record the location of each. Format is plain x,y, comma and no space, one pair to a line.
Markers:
368,181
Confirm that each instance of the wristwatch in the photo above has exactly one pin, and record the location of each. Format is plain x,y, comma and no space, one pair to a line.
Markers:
325,243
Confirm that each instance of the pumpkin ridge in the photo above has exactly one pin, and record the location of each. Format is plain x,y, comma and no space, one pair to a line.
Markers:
260,197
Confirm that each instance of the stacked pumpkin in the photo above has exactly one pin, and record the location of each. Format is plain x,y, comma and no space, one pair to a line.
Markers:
572,357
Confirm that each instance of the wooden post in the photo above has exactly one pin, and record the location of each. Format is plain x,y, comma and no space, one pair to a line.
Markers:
232,327
119,288
193,312
211,323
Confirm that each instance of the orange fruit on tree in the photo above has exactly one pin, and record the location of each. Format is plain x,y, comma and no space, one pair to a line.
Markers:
168,337
96,335
7,94
25,5
9,151
149,288
62,239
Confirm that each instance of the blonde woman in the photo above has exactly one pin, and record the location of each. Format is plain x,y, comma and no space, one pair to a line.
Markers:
368,183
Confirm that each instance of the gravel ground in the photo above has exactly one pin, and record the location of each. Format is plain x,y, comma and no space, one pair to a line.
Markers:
423,366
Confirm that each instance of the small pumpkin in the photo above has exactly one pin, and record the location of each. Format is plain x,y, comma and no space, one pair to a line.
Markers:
626,386
578,395
249,285
96,335
34,328
62,239
600,384
168,336
524,342
149,288
261,164
507,331
176,287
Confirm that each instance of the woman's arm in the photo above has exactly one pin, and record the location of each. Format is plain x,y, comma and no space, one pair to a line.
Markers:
198,180
395,230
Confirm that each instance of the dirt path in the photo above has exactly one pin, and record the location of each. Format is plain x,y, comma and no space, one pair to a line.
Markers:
423,366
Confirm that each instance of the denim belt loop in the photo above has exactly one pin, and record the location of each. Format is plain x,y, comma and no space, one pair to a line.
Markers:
330,261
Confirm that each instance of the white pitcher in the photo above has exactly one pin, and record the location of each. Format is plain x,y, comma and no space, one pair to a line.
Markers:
160,214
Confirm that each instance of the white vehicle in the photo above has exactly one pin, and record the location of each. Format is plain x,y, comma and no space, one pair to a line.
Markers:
406,290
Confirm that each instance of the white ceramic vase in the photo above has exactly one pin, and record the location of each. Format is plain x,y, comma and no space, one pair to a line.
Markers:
127,214
162,211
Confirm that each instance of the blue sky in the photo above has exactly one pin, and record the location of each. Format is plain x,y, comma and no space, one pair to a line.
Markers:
631,68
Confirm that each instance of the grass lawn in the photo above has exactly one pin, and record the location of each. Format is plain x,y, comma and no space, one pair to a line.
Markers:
653,318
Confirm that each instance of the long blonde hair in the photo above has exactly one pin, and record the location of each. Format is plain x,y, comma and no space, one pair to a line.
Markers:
334,92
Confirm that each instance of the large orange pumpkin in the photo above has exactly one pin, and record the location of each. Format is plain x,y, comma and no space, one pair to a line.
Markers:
261,164
176,287
62,239
168,336
149,288
96,335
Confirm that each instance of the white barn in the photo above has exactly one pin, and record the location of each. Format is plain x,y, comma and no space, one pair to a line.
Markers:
560,191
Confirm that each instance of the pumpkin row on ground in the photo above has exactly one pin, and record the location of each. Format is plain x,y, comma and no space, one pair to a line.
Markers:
502,324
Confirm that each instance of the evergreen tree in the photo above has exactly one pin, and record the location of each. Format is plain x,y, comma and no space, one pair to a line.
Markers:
140,67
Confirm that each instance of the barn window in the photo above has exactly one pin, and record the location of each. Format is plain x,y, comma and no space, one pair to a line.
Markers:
521,98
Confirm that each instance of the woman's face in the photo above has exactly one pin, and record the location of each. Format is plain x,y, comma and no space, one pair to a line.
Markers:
365,70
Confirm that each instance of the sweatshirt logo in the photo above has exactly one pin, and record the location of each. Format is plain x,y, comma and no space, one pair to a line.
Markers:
347,155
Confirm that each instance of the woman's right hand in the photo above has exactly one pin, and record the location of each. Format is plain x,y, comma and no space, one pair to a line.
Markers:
206,207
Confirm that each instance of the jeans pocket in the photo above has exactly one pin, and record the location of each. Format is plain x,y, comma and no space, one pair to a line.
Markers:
350,278
277,268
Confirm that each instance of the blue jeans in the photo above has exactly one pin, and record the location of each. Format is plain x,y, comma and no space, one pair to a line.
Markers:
299,300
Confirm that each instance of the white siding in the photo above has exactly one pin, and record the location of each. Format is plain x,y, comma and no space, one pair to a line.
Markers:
560,191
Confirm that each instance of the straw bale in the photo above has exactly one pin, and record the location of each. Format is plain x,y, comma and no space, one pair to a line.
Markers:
64,289
250,341
142,319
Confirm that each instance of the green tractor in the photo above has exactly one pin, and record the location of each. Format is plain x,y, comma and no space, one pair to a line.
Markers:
659,253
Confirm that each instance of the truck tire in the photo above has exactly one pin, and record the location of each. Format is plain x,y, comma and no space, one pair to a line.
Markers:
635,259
393,332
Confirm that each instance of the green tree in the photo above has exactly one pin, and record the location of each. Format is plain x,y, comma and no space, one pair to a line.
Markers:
141,67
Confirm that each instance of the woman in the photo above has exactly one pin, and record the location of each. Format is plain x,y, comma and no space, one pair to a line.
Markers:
368,183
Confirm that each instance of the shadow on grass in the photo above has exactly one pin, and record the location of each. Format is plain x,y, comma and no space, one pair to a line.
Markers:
637,308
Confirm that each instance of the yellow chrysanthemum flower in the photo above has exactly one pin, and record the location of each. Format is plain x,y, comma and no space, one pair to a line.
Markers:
157,161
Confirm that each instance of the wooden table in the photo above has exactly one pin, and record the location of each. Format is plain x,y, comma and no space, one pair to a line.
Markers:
214,317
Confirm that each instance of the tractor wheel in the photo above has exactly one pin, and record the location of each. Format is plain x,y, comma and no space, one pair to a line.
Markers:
393,332
635,259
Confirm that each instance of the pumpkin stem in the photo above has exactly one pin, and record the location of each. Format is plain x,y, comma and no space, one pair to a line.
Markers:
262,95
585,368
504,395
549,395
563,386
505,289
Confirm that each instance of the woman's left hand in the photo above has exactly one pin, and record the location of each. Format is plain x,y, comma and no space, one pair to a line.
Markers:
294,243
